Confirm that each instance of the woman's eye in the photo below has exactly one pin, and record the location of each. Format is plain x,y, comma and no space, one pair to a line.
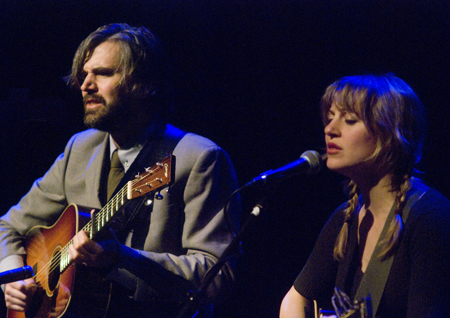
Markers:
351,121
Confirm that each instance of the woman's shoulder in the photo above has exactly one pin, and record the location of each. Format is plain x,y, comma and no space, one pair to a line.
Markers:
428,204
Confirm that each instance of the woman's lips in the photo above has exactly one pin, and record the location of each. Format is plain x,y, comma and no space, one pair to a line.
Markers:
333,149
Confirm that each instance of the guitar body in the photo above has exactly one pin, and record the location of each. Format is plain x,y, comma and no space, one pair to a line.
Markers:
54,296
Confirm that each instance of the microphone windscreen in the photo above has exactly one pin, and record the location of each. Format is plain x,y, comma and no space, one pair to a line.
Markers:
314,159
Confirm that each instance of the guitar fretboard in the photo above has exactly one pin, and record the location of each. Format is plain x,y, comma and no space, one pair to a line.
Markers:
101,219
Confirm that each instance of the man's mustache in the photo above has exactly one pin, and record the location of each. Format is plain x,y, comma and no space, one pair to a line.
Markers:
93,97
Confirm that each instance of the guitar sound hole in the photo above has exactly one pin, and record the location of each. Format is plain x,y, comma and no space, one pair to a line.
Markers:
54,273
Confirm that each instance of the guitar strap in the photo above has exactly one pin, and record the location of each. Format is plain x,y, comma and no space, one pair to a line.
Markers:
158,147
377,272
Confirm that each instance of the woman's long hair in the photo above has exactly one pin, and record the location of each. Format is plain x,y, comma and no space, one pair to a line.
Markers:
392,113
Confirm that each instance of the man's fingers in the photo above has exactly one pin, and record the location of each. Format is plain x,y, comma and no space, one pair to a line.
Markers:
19,294
83,250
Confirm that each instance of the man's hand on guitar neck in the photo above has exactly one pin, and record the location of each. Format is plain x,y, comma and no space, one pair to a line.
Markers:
18,294
92,254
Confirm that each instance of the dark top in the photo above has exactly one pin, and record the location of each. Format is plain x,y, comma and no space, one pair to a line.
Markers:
419,280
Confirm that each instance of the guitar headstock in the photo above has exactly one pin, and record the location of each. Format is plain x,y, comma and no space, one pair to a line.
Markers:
156,177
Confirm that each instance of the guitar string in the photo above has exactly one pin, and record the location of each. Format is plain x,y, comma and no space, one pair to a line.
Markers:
114,201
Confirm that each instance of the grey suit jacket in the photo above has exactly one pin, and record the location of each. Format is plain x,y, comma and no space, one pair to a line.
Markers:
187,231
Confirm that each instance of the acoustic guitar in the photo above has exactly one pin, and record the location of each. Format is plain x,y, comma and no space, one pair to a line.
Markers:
57,278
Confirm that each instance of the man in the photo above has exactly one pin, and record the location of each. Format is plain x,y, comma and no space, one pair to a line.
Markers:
176,236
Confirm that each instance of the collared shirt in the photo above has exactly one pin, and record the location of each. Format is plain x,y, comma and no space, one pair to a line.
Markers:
126,156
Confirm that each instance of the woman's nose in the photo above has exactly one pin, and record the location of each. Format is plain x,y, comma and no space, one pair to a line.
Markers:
331,129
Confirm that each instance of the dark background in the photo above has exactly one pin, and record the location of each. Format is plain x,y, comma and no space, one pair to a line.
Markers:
249,75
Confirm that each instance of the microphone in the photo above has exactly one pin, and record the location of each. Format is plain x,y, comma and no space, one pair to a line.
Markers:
310,162
13,275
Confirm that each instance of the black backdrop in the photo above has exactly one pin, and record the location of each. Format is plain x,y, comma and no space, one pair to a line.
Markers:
249,75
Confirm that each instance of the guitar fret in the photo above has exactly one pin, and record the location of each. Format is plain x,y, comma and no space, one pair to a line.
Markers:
98,221
96,224
64,255
107,212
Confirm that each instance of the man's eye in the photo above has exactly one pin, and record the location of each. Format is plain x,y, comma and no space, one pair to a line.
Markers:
107,74
351,121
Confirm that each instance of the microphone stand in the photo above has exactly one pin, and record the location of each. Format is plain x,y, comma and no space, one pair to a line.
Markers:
195,296
310,159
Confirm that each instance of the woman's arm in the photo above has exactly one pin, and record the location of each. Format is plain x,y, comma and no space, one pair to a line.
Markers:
295,305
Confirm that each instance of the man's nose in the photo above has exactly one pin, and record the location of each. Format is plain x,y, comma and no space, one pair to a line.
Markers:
88,83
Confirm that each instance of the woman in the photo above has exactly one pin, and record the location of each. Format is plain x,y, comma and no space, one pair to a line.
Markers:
391,238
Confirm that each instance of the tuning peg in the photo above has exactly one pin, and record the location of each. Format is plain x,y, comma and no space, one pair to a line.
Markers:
148,169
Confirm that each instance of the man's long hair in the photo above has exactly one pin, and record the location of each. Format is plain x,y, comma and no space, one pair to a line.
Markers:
145,69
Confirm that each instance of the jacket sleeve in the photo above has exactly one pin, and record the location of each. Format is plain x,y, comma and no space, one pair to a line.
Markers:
429,254
317,278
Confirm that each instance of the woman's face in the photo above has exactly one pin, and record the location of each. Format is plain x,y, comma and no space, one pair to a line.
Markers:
349,143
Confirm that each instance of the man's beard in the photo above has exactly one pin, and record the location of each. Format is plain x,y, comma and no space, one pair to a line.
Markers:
107,117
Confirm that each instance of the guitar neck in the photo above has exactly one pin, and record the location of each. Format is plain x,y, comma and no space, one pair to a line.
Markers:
105,216
152,179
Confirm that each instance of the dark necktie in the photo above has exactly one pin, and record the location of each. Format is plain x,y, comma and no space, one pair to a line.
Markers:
115,174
